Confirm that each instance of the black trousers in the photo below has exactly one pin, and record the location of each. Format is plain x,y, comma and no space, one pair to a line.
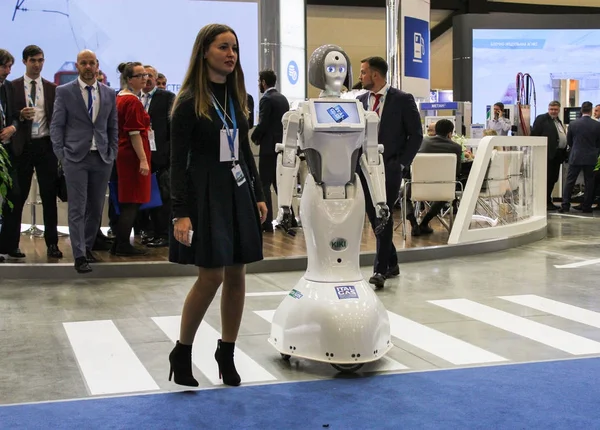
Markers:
39,156
588,180
386,256
554,165
267,170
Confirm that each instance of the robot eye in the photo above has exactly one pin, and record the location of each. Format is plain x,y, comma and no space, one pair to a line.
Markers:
330,69
342,69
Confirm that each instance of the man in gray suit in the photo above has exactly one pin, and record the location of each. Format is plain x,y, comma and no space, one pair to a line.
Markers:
85,139
583,141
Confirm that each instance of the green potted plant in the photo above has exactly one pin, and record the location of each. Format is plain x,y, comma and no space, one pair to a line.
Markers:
5,178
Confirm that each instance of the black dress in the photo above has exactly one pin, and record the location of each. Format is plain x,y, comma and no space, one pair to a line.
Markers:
224,216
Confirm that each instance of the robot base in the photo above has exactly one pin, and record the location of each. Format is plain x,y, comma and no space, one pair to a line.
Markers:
343,324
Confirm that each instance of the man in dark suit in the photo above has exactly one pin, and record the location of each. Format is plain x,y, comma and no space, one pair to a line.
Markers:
32,148
441,143
85,139
158,104
400,133
269,131
9,123
549,125
583,140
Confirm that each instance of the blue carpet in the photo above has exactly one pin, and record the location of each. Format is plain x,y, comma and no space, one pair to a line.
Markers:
560,394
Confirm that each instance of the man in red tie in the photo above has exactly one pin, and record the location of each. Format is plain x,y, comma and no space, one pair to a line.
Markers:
400,133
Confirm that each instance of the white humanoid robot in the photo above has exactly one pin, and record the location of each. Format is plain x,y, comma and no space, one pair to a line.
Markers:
332,315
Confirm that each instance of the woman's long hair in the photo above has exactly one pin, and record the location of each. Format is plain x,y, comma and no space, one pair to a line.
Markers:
196,82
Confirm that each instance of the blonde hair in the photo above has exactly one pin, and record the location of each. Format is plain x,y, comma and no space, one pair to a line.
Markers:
196,83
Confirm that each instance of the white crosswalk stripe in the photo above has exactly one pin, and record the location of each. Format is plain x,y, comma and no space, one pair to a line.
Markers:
107,362
385,364
449,348
204,349
109,365
559,339
553,307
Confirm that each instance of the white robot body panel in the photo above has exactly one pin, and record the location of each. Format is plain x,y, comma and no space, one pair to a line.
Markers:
337,146
334,236
333,315
338,323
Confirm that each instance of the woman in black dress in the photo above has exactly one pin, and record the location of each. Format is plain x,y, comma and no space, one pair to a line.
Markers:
216,195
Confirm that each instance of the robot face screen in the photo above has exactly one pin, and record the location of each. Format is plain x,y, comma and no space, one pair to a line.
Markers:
336,68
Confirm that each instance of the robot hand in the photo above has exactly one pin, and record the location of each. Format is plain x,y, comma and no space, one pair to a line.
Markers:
286,221
383,215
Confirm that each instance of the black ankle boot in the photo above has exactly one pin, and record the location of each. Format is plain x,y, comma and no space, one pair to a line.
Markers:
181,365
224,357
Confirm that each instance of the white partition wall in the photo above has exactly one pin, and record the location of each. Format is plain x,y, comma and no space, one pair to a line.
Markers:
505,194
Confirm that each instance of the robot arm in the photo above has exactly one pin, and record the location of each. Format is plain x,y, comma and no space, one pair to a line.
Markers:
288,164
371,164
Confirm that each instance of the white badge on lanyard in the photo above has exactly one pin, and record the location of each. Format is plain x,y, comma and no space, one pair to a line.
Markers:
225,152
229,141
151,140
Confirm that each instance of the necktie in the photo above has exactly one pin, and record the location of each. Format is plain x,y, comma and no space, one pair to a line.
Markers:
90,105
33,93
376,104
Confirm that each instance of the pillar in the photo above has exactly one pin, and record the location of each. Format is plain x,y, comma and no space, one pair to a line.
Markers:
282,39
408,47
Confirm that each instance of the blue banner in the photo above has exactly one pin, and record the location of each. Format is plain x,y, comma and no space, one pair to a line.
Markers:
509,43
439,106
416,48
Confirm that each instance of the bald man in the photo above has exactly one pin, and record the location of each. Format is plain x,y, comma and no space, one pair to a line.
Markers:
85,138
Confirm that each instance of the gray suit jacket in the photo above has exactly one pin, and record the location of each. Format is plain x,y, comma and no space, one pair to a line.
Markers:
71,129
583,137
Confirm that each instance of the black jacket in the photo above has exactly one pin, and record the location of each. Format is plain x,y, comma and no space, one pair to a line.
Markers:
544,126
400,129
583,138
269,131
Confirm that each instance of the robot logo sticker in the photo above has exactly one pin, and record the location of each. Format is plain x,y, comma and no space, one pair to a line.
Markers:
338,244
337,113
346,292
293,72
295,294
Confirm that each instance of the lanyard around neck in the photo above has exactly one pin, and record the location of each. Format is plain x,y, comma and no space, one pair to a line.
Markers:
231,134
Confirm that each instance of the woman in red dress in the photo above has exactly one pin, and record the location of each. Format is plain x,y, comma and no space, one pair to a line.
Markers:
133,158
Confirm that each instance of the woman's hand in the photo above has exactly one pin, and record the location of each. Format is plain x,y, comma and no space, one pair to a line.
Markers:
263,211
144,168
181,231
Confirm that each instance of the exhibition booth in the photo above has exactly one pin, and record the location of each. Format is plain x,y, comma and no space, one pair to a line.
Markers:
501,200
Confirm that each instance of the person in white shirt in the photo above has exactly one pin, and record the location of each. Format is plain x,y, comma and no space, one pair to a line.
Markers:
498,122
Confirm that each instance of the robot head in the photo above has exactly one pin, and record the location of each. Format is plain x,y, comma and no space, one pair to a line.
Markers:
329,69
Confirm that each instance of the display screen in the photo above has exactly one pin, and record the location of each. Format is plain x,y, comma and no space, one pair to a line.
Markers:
571,114
149,31
341,112
549,56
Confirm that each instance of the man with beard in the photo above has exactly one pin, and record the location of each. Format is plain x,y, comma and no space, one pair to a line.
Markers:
400,133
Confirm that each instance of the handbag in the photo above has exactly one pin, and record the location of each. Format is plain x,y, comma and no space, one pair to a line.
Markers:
61,184
155,200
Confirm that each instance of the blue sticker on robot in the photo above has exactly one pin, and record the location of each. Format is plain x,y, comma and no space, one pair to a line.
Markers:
346,292
293,73
337,113
296,294
416,48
